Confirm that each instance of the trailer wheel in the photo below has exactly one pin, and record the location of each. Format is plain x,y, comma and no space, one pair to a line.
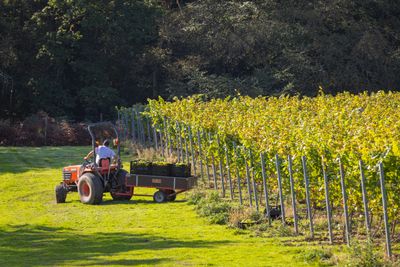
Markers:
61,193
90,189
159,196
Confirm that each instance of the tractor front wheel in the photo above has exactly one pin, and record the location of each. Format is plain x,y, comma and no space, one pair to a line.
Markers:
61,193
90,189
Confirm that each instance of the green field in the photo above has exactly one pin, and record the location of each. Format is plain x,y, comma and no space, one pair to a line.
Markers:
35,231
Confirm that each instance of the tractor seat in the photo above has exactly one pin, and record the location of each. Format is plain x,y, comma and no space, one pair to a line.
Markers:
105,164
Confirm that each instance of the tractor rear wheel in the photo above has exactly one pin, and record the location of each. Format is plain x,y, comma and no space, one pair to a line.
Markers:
160,196
61,193
90,189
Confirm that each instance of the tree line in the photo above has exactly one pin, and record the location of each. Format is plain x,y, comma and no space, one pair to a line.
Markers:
79,59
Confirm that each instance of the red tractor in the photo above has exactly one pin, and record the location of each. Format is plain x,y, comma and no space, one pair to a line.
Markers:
92,180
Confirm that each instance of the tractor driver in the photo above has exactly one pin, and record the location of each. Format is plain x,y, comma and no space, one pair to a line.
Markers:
102,152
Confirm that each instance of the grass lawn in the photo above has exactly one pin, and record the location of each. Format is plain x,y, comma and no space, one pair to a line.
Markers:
35,231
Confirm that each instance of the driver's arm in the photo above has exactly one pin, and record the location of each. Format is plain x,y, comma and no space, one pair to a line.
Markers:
88,155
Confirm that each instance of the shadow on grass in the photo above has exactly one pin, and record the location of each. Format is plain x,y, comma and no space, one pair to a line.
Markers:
34,245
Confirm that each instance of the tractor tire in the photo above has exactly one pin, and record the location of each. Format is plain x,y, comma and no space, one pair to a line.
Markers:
61,193
90,189
160,196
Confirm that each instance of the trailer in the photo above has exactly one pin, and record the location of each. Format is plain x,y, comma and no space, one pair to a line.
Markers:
168,186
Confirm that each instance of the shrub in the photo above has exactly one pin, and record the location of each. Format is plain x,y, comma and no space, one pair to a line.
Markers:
363,255
214,208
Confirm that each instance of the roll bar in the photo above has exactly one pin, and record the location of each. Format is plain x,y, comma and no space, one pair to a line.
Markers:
92,135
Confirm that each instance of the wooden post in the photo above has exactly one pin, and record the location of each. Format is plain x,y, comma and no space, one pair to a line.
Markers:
365,200
228,170
221,171
278,172
307,187
385,213
248,183
327,202
265,187
345,208
293,193
238,173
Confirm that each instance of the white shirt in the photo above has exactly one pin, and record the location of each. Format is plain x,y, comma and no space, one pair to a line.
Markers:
103,152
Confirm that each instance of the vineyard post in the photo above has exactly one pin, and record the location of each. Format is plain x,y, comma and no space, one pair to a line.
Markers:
208,170
200,154
166,135
178,152
139,130
213,165
180,141
293,193
133,126
345,208
365,199
254,180
148,130
170,139
187,159
127,126
278,172
328,206
265,187
307,187
155,138
248,181
238,173
162,141
385,213
139,127
192,149
220,163
228,171
207,162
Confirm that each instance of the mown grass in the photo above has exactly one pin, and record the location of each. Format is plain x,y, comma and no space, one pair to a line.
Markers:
35,231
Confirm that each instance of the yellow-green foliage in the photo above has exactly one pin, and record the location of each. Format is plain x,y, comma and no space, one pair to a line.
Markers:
346,126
